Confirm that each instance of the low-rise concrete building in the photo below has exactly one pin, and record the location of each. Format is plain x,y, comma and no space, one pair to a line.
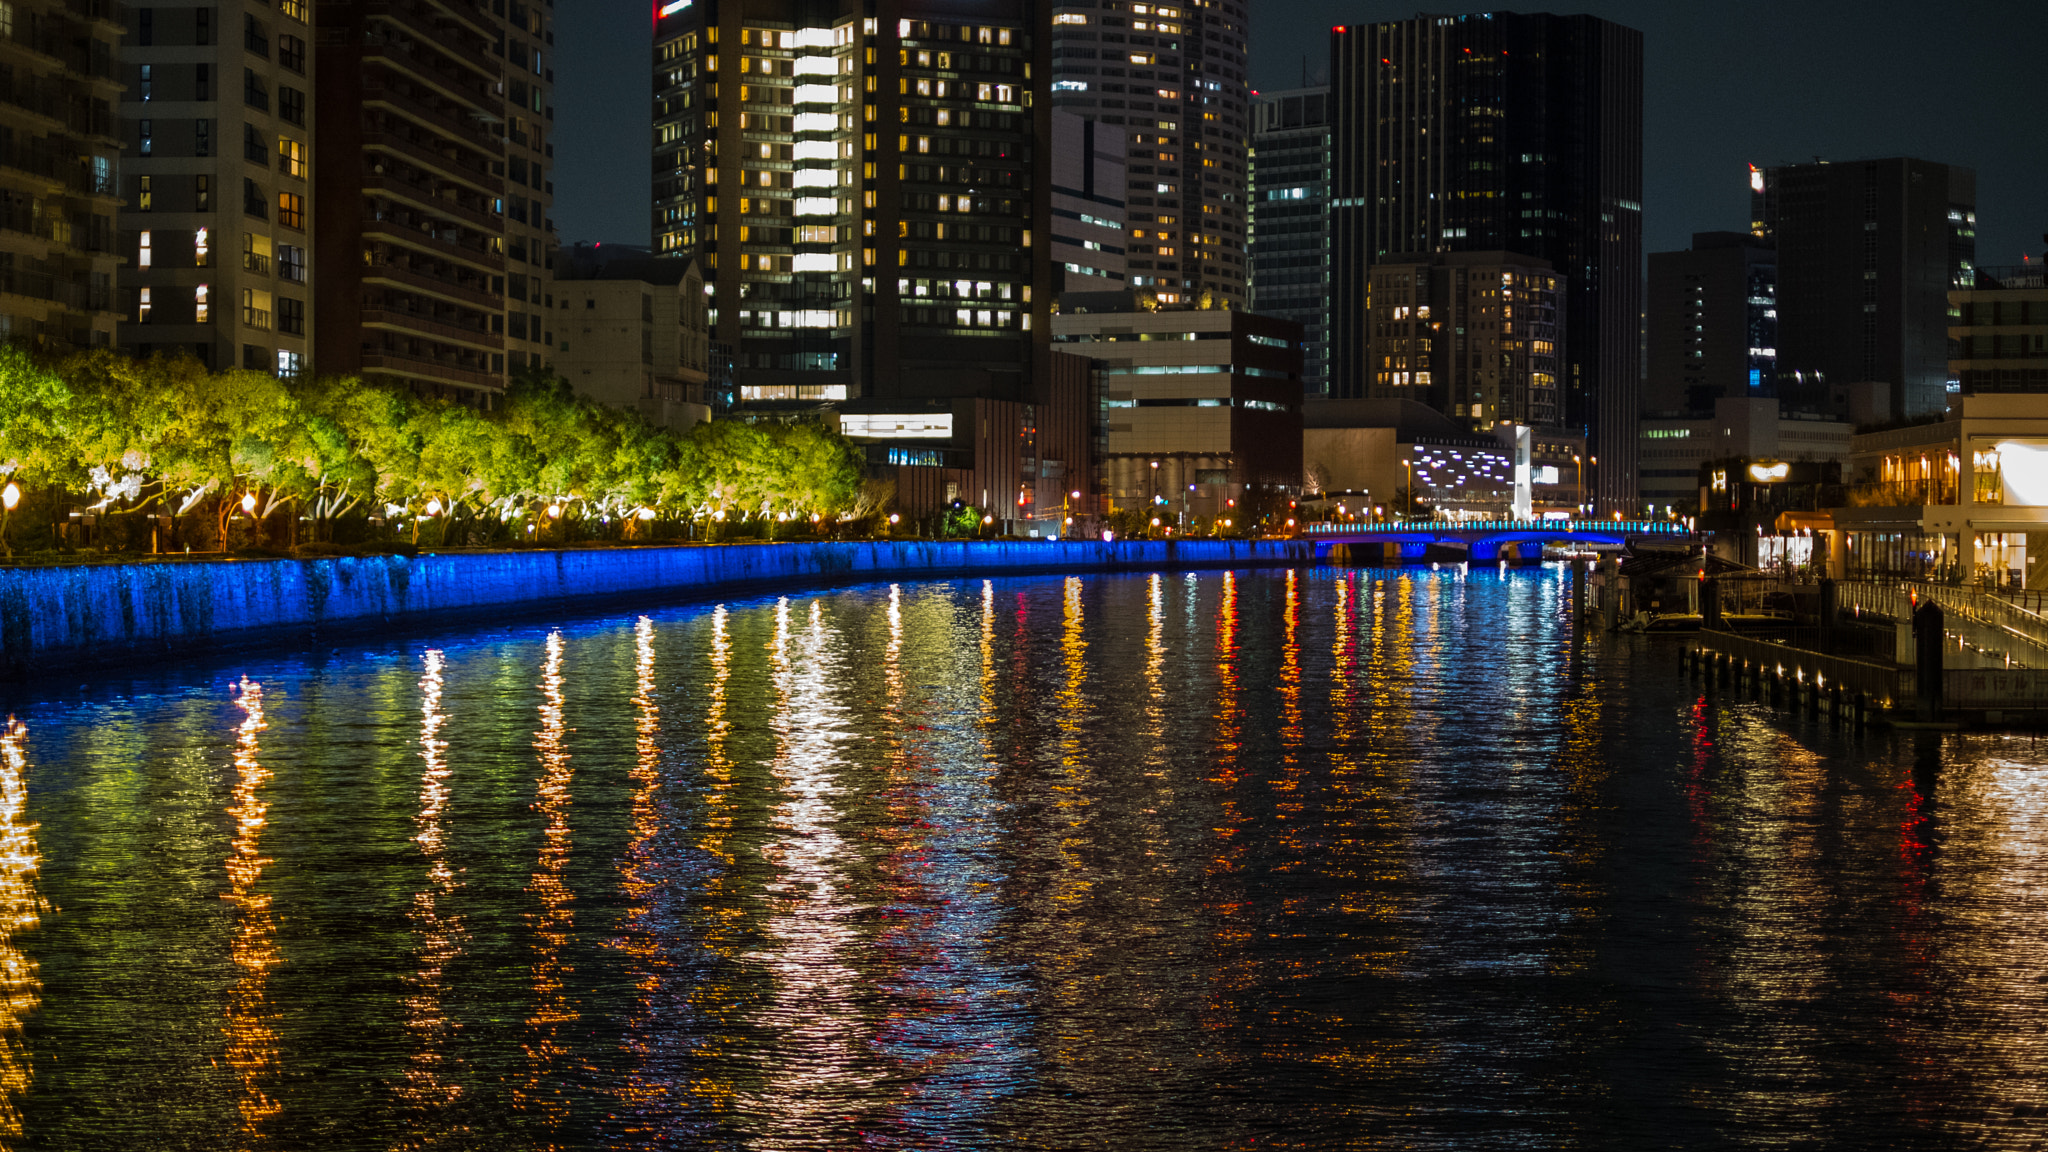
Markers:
1018,462
632,331
1675,445
1998,341
1964,499
1365,454
1202,407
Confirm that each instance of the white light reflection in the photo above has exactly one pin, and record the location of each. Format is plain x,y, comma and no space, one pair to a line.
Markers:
430,1081
820,1055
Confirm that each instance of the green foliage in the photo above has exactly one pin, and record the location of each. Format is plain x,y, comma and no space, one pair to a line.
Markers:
122,433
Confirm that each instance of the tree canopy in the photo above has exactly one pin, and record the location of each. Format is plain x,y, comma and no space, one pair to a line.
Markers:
132,432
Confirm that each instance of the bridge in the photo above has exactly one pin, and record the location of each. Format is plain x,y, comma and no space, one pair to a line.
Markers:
1484,539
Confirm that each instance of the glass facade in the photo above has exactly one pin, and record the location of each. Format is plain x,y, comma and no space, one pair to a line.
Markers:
1290,224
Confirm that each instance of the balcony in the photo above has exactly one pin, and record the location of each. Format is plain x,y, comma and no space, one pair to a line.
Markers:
413,107
1902,493
413,322
257,263
420,21
475,174
424,198
420,237
404,277
256,318
452,81
426,368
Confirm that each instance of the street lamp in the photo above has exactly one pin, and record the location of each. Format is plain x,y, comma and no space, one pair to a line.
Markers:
9,497
1579,502
1410,466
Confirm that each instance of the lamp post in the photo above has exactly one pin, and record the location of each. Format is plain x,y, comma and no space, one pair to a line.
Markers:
1410,466
1579,501
9,497
1153,503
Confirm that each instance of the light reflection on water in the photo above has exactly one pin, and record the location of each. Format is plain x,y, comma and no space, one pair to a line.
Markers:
21,909
1313,858
252,1042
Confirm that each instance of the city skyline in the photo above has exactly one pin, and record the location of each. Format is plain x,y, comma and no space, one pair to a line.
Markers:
1712,80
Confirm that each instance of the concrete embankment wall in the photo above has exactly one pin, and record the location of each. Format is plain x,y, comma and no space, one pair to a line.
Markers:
54,617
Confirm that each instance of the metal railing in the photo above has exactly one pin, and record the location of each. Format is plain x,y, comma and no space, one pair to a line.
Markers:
2022,633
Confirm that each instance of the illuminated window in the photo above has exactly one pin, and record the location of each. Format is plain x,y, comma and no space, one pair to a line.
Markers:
199,304
142,253
142,306
291,158
202,250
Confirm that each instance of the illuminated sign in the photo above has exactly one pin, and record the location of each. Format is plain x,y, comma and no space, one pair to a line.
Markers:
1720,481
674,6
1769,473
1756,179
933,426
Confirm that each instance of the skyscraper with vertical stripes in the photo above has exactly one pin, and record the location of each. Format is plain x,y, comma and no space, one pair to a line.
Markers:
1500,132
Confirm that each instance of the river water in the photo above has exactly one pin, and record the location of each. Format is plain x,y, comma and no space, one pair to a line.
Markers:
1329,858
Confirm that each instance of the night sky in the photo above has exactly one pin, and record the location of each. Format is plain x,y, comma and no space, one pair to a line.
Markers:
1728,83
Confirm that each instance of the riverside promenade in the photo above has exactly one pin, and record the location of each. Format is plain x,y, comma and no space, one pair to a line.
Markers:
85,615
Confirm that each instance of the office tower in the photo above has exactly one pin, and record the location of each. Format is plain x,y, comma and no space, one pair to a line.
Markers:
431,252
1087,205
1500,132
1290,227
58,142
219,209
1173,76
1868,252
867,188
1998,331
1713,323
1475,335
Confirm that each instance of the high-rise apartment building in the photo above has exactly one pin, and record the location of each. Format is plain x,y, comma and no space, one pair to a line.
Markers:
1474,335
58,145
1713,323
867,187
219,210
1172,75
1868,252
431,252
1500,132
1290,226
